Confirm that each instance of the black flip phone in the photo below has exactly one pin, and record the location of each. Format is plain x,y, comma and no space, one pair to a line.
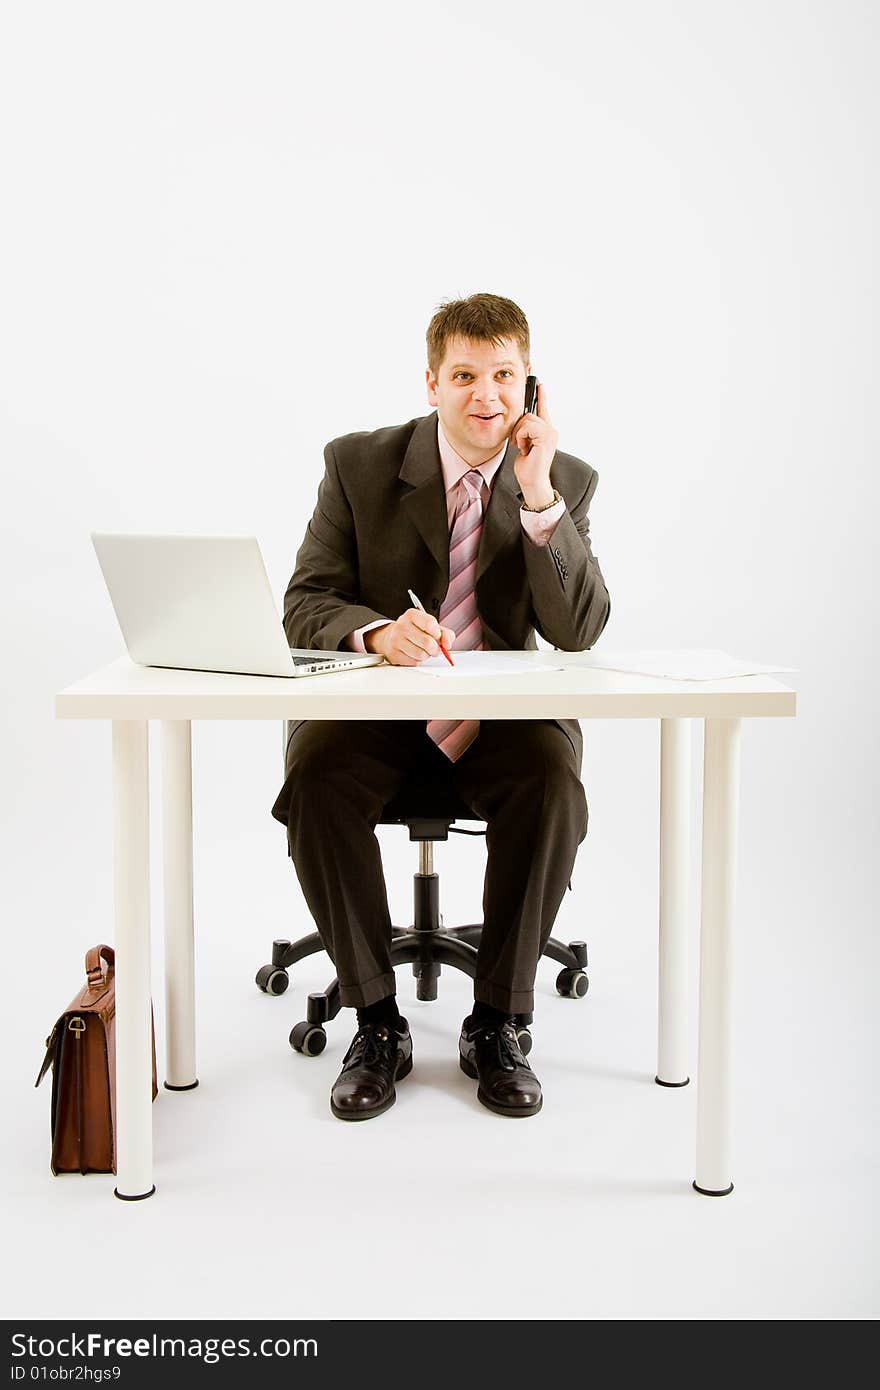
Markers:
531,404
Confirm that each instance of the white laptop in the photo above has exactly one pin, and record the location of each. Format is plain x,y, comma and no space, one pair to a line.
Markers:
204,603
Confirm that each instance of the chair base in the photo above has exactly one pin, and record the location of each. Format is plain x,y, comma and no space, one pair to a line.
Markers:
427,949
427,946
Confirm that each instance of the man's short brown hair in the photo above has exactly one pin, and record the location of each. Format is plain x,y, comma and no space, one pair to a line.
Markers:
483,318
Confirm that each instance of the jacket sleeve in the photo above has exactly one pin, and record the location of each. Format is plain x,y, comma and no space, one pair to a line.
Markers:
570,602
321,603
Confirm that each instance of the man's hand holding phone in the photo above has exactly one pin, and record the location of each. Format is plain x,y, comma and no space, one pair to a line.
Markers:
536,439
414,637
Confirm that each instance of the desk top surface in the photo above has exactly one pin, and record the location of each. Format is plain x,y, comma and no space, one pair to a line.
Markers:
123,690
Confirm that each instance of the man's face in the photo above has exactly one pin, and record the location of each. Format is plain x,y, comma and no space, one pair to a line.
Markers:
478,391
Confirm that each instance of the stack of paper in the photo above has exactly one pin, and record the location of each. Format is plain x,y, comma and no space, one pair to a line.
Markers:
681,665
484,664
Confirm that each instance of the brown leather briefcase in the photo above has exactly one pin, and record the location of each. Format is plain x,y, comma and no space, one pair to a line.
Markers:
81,1050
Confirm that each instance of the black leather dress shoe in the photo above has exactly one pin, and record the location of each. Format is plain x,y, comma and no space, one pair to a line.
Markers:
491,1054
379,1055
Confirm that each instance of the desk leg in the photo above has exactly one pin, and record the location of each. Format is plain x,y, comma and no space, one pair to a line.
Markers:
720,801
675,794
180,1029
131,891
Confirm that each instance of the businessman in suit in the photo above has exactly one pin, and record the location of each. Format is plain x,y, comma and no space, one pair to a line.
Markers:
475,509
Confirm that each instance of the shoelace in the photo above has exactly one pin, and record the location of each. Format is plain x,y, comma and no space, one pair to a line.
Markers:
370,1044
506,1045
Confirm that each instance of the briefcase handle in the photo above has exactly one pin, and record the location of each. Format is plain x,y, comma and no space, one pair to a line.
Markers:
94,972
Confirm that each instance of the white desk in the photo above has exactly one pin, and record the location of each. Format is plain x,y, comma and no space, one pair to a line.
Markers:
130,696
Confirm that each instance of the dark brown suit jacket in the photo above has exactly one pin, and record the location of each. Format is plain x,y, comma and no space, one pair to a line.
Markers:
380,527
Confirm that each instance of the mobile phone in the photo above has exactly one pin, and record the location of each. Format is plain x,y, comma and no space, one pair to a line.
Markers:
531,403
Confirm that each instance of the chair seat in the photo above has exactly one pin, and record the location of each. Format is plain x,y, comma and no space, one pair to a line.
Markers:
430,800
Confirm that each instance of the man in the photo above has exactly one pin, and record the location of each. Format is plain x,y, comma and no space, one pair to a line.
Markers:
472,508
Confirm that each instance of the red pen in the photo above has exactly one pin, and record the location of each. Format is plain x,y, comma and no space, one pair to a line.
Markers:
421,607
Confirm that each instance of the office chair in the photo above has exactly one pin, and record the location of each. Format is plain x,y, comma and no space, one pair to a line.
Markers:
429,809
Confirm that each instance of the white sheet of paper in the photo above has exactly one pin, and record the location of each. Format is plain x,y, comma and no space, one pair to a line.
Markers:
681,665
480,664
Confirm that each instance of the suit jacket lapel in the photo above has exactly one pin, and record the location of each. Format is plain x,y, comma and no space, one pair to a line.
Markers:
425,504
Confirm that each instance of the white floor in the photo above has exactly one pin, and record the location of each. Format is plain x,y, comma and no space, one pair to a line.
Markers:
269,1207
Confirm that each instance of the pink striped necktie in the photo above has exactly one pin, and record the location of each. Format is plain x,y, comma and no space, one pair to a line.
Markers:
459,608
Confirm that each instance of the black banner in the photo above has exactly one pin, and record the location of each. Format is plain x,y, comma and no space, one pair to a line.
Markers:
196,1353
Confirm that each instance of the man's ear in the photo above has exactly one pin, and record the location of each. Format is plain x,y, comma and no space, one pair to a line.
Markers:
431,382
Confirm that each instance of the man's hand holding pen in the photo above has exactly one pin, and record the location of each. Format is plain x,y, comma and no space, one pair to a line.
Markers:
414,637
536,440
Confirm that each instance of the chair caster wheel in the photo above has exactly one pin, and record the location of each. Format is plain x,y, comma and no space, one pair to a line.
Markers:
572,984
271,980
308,1038
524,1038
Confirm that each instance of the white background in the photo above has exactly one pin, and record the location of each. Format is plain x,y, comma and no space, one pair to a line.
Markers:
226,228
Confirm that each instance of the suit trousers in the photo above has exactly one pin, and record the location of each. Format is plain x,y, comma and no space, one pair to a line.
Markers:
521,776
